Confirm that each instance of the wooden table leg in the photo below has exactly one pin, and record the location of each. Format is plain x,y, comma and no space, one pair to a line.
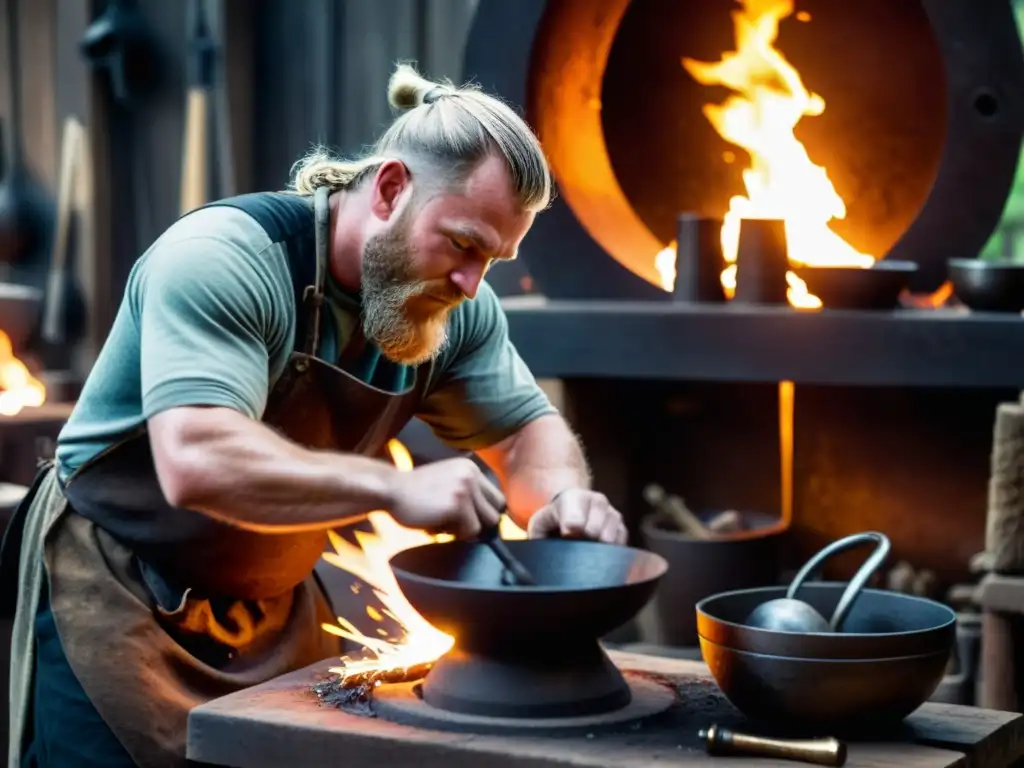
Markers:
1001,639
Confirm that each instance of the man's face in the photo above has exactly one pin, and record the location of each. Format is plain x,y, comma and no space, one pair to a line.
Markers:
432,256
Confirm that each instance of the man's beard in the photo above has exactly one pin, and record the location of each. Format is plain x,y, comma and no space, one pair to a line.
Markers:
398,316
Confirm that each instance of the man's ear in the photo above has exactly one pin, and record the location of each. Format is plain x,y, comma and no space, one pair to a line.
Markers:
391,184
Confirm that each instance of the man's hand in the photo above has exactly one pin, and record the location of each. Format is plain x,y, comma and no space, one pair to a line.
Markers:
452,496
578,513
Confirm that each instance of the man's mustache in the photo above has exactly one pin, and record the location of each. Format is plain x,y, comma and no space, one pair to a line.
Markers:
444,293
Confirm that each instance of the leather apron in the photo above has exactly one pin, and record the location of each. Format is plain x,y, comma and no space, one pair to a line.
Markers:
152,629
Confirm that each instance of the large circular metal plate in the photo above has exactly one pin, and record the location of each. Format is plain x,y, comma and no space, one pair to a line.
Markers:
922,129
402,704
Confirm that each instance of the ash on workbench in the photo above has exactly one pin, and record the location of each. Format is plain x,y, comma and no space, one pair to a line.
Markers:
353,699
354,693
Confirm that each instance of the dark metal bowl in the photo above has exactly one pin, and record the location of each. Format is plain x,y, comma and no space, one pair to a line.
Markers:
699,568
824,696
880,625
584,589
988,286
877,287
19,312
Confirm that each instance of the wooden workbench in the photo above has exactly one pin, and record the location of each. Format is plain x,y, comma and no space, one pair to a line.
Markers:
281,723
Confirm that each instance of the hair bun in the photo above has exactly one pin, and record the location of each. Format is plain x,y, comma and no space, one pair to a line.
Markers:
407,88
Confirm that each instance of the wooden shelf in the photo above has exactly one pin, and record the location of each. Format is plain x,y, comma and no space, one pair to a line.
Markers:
745,343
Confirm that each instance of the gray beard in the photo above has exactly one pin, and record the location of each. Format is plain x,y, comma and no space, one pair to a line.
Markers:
402,335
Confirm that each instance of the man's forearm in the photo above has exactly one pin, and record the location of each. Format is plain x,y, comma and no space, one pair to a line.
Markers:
217,461
537,463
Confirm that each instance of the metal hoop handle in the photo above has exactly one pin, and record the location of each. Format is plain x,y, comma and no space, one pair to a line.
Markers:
859,579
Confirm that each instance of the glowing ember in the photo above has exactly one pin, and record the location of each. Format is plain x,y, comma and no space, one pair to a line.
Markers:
18,388
782,182
420,644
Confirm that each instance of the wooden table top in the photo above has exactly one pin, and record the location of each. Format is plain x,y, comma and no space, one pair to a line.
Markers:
282,723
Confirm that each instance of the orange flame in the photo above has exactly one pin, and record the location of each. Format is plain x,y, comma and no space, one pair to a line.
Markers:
18,388
420,643
781,182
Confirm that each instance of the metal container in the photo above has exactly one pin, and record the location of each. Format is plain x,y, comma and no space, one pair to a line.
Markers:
699,568
877,287
815,696
19,312
888,659
527,651
880,625
988,286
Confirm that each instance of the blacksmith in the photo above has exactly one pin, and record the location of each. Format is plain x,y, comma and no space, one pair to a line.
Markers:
266,349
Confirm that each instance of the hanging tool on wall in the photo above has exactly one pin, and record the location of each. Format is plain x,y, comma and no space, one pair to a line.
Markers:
201,65
26,208
117,44
121,50
62,308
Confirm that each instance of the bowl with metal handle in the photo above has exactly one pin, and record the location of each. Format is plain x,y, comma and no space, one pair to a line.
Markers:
788,614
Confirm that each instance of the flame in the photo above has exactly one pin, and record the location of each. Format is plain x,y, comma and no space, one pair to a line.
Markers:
420,643
781,182
18,388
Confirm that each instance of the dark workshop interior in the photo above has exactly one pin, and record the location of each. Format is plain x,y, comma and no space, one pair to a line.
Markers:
778,296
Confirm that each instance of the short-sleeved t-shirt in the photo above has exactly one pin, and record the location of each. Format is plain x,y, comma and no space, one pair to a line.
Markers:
208,318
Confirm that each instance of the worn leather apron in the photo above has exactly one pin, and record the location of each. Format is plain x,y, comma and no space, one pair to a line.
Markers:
152,628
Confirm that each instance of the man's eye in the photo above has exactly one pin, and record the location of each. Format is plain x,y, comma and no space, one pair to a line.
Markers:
456,244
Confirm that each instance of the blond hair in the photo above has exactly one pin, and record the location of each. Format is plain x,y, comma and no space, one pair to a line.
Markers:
443,133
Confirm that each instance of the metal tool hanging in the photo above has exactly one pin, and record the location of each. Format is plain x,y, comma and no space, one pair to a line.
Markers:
26,208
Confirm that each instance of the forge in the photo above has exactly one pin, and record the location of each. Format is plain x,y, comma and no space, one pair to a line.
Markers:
284,722
527,654
891,111
874,131
523,680
879,133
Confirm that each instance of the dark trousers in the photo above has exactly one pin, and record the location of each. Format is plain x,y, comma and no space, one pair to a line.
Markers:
67,731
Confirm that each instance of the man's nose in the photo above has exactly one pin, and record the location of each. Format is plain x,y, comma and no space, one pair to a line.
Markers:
467,279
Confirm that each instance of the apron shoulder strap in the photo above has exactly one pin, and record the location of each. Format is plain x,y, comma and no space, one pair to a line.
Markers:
313,295
302,225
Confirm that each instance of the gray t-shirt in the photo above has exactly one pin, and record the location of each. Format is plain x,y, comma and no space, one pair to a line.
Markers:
208,318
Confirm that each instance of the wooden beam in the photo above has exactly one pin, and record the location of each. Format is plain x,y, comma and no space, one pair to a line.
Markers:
37,22
80,94
235,102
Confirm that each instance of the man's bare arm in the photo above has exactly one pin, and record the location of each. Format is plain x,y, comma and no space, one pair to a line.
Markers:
233,468
536,463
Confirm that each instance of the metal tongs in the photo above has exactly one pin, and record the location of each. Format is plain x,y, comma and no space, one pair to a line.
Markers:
520,573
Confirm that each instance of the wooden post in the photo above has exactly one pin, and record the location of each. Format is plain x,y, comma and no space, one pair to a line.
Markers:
235,27
1002,642
78,94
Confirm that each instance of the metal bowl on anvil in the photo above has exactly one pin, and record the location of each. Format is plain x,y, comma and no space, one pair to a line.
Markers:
887,660
527,651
